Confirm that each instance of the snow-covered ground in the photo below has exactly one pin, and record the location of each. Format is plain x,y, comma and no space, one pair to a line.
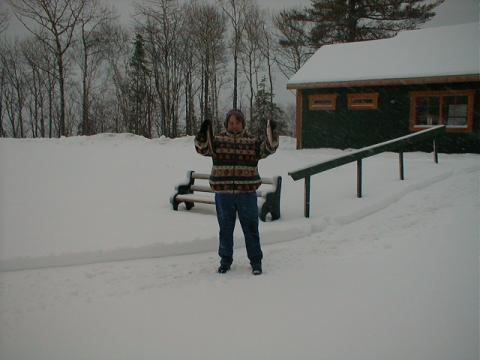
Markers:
393,275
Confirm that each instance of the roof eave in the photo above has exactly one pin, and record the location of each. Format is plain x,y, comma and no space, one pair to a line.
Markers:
387,82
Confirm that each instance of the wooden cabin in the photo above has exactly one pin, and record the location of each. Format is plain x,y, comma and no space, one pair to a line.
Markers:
352,95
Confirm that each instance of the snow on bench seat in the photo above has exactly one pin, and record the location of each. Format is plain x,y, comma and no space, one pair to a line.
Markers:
188,194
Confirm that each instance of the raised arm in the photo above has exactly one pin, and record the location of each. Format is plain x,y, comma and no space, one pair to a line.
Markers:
270,144
204,139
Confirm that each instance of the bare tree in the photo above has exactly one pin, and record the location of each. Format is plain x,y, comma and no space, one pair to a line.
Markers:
190,66
3,26
91,48
162,23
56,21
250,54
48,65
2,91
15,88
207,28
235,11
9,105
118,59
32,54
42,69
4,16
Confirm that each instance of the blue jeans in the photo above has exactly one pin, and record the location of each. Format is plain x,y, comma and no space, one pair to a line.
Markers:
227,207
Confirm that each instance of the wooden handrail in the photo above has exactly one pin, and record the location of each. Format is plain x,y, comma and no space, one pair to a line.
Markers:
358,155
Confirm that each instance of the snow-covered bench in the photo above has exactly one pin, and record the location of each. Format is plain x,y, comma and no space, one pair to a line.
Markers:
191,192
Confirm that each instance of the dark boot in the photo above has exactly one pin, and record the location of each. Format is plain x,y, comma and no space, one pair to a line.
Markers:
223,269
257,268
225,264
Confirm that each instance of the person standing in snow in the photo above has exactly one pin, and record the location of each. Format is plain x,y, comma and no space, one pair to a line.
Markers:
234,179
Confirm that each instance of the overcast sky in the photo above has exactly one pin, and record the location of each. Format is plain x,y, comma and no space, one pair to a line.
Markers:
456,12
450,12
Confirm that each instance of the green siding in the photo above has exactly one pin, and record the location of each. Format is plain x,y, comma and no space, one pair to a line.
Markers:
344,128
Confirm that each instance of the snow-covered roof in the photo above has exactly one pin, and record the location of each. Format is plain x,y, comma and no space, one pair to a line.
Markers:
424,53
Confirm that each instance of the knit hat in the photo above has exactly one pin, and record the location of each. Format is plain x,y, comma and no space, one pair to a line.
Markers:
238,114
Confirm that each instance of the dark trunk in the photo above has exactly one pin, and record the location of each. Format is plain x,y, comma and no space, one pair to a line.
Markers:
62,128
351,22
207,80
235,75
87,129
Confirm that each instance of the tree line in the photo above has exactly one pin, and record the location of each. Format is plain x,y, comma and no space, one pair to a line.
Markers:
80,71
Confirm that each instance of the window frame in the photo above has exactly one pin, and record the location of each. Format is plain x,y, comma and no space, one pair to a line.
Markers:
373,96
441,94
318,107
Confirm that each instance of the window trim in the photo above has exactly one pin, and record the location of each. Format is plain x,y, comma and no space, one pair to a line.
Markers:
316,107
470,94
373,96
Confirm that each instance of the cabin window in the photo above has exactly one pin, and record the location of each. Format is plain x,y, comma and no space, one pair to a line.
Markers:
363,101
322,102
452,108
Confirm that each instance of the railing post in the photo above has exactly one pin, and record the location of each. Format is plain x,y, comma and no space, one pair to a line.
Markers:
435,152
359,178
307,197
400,159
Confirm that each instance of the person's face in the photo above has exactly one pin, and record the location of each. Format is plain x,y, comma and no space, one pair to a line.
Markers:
234,125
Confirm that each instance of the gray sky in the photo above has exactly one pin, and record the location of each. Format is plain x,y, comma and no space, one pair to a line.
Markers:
456,12
450,12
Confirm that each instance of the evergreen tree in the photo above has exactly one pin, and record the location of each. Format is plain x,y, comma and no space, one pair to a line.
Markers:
336,21
139,77
294,46
265,108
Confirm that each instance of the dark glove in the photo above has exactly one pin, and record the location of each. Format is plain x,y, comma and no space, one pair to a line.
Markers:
205,125
273,125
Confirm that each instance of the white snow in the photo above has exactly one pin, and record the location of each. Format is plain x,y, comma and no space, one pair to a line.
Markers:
428,52
393,275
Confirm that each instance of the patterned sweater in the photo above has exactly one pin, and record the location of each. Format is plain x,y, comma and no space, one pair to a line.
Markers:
235,158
